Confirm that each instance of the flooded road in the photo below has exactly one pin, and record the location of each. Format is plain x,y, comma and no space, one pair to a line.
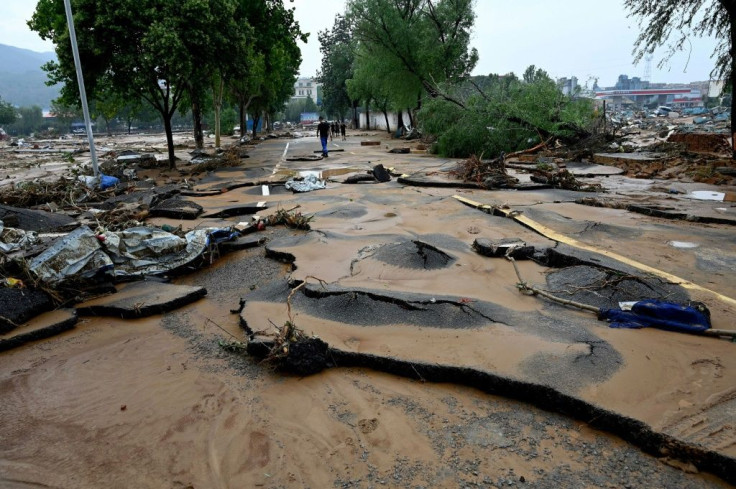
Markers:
157,402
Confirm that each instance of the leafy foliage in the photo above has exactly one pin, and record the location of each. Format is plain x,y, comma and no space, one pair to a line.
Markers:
8,114
502,114
338,56
424,43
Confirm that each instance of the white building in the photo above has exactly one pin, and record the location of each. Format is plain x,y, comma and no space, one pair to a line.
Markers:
306,88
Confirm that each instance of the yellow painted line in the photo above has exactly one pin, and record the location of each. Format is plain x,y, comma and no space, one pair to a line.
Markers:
555,236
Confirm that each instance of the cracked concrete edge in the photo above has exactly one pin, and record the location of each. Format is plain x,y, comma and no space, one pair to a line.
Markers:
126,312
544,397
54,329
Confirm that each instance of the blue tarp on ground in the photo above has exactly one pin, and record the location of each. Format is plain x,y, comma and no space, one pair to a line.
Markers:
659,314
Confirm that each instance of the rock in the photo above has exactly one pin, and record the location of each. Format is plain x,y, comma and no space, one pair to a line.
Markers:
400,151
142,299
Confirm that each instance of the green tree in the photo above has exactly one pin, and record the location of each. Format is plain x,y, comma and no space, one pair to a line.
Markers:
338,57
138,49
503,113
427,41
266,77
29,120
8,114
671,22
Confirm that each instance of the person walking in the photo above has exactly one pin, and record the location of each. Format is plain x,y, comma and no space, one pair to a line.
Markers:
323,132
342,130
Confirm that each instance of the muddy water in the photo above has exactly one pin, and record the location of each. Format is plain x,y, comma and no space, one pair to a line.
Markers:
157,402
128,404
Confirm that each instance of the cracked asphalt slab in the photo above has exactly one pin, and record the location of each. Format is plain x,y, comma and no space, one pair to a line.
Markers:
196,415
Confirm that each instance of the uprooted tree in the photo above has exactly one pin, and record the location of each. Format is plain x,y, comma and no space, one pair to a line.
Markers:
662,21
493,114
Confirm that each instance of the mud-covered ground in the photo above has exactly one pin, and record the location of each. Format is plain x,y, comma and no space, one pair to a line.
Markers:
158,402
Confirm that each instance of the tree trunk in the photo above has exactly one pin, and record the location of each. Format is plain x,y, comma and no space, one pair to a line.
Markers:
400,123
367,116
256,120
218,90
197,118
241,112
385,116
732,51
169,139
356,123
411,117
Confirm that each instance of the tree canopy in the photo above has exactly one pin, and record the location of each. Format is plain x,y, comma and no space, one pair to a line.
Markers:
427,39
172,53
338,56
8,114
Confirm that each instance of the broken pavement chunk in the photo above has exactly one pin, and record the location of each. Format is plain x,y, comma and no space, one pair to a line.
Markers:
142,299
519,250
19,305
381,173
34,220
142,160
242,243
41,327
175,208
239,210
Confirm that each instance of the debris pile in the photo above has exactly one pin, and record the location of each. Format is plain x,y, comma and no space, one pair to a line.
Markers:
489,173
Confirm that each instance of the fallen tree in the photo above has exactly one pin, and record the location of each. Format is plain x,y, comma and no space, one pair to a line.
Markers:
494,114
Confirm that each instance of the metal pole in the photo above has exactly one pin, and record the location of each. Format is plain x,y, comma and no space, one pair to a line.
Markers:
80,81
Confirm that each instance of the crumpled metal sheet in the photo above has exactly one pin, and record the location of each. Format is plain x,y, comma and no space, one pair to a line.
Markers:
151,251
134,252
12,239
78,255
309,183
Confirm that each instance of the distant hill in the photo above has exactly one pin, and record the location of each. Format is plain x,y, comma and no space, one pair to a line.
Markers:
22,81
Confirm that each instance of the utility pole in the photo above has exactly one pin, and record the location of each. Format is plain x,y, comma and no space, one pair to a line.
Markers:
80,81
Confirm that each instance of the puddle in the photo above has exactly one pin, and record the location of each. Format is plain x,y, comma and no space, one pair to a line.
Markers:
707,195
682,244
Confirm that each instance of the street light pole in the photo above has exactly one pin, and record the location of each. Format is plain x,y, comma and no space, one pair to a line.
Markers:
80,81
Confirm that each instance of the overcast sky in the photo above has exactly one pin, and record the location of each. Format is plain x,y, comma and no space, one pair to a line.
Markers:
583,38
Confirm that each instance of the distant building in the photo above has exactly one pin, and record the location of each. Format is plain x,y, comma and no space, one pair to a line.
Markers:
307,88
568,86
673,97
637,93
